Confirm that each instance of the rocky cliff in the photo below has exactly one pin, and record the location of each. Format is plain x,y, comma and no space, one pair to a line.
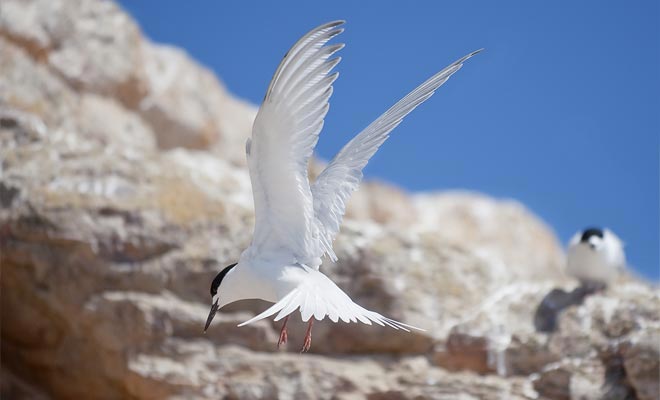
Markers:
123,190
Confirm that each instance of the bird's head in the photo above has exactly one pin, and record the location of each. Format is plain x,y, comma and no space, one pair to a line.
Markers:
605,243
215,293
593,237
595,256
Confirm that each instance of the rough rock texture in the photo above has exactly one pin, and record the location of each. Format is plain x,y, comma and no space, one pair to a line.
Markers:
123,191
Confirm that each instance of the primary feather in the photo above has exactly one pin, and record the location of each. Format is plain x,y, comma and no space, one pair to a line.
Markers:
343,175
284,134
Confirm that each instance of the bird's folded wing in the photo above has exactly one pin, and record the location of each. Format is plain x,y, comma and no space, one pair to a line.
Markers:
284,134
319,297
343,174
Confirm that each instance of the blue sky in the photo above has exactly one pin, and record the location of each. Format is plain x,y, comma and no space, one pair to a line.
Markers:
561,112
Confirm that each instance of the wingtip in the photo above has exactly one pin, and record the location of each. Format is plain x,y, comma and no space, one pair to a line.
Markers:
461,60
330,25
410,328
474,53
333,48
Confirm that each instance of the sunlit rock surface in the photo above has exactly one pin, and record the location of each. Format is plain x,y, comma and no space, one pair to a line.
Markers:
123,191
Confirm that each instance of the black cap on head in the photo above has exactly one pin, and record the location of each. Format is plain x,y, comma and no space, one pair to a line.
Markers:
214,290
218,279
589,232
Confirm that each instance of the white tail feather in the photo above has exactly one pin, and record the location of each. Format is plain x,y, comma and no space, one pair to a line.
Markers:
317,296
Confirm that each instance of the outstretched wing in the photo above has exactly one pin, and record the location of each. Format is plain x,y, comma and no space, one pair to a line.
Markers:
284,134
342,176
318,296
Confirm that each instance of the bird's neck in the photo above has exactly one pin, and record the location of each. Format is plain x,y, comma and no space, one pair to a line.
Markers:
242,283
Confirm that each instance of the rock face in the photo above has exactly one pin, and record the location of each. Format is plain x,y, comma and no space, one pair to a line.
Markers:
117,208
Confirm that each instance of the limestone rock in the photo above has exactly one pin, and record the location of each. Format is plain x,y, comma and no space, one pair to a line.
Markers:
93,45
382,203
640,362
187,106
31,87
503,231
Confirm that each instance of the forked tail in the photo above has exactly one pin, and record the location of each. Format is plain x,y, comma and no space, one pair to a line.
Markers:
318,296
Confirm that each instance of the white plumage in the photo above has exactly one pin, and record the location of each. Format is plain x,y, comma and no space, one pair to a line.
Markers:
595,256
295,222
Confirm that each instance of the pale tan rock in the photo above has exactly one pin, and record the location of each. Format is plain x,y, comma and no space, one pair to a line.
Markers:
188,107
528,250
29,87
104,118
382,203
30,25
641,360
93,45
291,376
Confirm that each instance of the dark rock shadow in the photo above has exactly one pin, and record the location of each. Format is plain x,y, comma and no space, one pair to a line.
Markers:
552,305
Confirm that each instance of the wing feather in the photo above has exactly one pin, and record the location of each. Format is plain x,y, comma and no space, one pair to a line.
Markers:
272,309
307,307
290,305
343,174
320,307
284,134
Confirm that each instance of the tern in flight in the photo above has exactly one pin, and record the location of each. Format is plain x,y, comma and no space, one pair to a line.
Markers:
296,221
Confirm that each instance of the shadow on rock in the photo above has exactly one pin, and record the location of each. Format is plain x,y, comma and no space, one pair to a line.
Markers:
552,305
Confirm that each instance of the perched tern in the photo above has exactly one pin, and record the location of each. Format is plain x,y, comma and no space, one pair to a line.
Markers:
595,257
296,222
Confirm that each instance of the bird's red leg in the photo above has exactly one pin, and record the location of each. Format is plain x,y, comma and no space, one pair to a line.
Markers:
283,335
308,337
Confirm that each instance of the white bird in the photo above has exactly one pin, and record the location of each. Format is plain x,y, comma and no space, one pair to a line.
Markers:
296,222
595,257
